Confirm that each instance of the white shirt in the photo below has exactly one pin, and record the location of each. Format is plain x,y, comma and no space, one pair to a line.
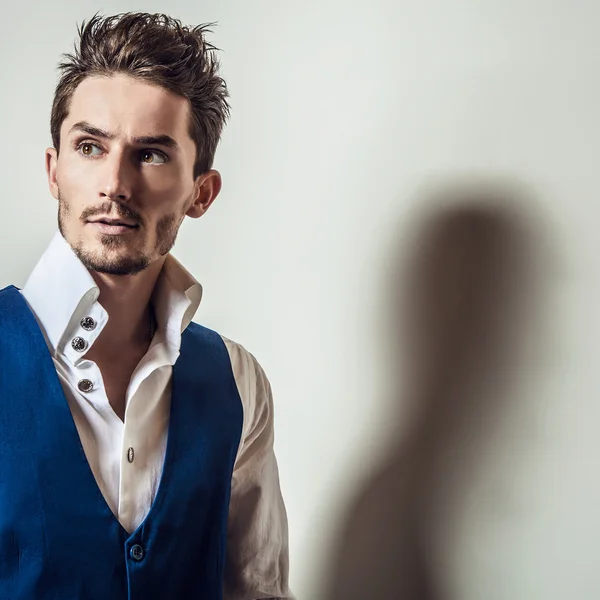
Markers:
127,457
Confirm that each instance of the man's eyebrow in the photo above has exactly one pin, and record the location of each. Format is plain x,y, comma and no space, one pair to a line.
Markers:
146,140
157,140
86,127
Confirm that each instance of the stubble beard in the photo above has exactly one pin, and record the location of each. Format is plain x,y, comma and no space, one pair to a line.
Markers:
115,259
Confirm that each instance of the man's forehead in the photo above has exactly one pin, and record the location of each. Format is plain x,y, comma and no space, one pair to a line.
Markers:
129,107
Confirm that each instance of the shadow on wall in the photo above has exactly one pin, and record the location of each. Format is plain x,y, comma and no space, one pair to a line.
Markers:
468,305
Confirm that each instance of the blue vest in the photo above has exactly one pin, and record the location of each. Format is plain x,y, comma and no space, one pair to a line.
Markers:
59,539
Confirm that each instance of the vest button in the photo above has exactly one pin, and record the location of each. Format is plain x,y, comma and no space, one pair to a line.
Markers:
136,552
85,385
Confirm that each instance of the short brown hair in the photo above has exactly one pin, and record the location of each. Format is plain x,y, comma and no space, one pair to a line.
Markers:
157,49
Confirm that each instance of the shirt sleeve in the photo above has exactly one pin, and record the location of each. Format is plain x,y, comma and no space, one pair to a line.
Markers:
257,562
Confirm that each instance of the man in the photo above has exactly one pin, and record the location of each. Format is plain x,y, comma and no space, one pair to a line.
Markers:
136,447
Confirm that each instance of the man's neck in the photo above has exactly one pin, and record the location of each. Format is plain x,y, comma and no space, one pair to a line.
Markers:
126,299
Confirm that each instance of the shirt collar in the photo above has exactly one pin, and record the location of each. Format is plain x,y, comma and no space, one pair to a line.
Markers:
60,289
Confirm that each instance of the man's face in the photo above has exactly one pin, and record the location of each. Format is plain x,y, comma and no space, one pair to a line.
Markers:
124,174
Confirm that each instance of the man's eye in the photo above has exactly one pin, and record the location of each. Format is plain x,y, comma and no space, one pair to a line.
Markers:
87,149
153,157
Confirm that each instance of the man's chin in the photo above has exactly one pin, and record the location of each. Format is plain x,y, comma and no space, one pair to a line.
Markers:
120,269
111,267
112,259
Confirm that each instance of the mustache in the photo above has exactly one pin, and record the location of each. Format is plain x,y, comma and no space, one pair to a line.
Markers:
123,211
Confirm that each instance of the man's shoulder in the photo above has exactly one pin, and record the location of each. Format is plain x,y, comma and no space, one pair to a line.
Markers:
243,362
252,383
10,292
12,303
246,369
198,330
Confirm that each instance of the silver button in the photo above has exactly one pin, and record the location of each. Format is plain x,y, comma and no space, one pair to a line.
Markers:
130,455
136,552
88,323
78,344
85,385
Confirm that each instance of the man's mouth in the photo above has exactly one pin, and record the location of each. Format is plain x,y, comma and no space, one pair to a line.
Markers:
115,223
114,227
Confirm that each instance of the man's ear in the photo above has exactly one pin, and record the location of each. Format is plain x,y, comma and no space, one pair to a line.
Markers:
51,164
206,188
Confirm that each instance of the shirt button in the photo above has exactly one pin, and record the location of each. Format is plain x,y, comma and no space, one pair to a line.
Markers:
88,323
78,344
136,552
130,455
85,385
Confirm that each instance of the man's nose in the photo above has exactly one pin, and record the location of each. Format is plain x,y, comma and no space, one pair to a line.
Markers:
117,178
